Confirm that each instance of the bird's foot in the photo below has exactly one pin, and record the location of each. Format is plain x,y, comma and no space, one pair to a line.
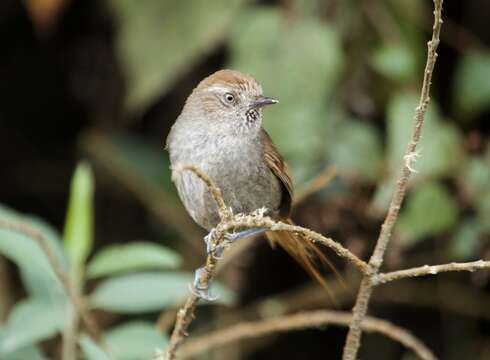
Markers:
217,251
208,241
231,237
199,289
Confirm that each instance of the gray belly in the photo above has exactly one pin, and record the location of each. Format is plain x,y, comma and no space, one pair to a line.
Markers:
239,171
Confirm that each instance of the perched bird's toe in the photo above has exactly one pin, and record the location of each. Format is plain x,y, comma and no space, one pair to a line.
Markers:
199,289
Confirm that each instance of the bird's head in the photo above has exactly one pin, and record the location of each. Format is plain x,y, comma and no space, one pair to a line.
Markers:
231,100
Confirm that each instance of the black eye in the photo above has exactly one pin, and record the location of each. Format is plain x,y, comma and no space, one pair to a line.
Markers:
229,98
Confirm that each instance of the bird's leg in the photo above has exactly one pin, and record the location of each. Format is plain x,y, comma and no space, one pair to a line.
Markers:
231,237
208,240
199,289
234,236
202,290
217,251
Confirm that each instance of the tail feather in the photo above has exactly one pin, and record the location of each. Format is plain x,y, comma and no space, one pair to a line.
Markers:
305,252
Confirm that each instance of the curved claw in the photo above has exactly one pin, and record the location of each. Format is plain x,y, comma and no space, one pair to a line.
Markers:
216,251
208,241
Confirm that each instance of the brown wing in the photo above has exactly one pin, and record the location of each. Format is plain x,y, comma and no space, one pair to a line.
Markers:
279,167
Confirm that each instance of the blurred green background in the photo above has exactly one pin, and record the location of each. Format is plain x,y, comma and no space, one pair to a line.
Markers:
99,83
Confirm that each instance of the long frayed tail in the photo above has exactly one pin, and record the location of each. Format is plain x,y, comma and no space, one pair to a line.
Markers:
306,253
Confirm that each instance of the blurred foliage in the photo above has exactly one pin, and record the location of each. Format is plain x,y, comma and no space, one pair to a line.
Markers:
395,61
301,74
418,220
46,309
134,340
347,75
157,40
78,232
131,257
471,85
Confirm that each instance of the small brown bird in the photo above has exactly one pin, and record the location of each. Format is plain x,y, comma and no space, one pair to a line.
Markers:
220,131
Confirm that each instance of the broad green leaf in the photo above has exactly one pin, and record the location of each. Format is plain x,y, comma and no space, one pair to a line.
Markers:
91,350
29,352
78,231
430,210
146,292
395,61
471,89
37,274
134,340
136,256
465,242
440,149
357,149
29,322
297,60
158,41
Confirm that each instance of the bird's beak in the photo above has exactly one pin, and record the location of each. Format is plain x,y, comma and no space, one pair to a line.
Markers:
263,101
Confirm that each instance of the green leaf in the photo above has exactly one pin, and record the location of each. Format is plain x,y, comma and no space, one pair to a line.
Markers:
357,149
134,340
440,149
78,231
37,275
430,210
26,353
29,322
395,61
159,40
301,76
136,256
146,292
471,89
465,242
91,350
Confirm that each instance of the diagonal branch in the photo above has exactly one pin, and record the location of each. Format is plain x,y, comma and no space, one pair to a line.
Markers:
430,270
360,308
257,220
312,319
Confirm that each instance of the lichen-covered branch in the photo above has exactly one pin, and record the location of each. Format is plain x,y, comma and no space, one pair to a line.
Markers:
305,320
360,308
430,270
257,220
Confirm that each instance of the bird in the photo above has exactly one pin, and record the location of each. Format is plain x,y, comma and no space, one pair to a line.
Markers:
220,131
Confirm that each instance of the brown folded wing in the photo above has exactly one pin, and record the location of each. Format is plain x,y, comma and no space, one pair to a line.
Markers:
279,167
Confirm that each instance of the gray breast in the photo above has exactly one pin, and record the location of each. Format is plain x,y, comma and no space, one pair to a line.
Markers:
237,166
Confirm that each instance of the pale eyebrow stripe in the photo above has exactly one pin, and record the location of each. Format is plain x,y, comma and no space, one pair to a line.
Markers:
218,87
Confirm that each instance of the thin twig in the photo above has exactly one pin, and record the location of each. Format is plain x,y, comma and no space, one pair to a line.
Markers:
223,210
360,308
312,319
256,220
186,314
70,332
58,268
430,270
